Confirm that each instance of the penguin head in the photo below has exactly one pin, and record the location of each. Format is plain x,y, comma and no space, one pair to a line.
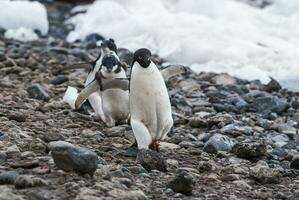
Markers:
110,64
109,44
142,56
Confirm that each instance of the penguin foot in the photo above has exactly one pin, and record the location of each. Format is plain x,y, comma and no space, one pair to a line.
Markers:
151,160
154,145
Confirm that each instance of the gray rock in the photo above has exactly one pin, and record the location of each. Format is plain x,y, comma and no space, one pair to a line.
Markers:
72,158
182,183
265,175
295,162
295,104
59,50
125,56
224,79
249,150
286,129
129,195
8,177
59,79
268,104
36,91
280,140
151,160
27,181
217,143
17,116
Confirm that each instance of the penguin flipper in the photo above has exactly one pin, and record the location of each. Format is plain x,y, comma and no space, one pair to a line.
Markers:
86,92
70,96
122,84
173,70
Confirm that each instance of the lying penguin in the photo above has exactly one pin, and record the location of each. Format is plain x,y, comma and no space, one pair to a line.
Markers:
150,108
111,105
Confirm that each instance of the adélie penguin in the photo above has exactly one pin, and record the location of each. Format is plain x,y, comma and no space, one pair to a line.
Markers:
111,105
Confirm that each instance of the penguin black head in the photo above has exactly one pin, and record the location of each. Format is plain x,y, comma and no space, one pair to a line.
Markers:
142,56
110,63
110,44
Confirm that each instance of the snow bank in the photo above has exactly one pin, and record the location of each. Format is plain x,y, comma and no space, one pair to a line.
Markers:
23,14
22,34
210,35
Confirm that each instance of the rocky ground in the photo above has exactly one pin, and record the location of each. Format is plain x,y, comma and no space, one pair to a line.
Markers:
232,138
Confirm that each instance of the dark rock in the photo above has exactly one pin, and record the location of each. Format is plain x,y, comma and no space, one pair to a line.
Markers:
273,86
249,150
17,116
151,160
2,135
131,152
295,162
93,37
72,158
8,177
217,143
182,183
25,164
59,79
36,91
78,53
266,105
281,153
27,181
225,107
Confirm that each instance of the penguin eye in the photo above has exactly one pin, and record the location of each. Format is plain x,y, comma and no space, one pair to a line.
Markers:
139,57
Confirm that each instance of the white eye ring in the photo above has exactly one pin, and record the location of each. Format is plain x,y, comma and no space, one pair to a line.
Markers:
139,57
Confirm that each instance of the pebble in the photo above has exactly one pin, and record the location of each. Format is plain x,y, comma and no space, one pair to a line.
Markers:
217,143
27,181
72,158
182,183
151,160
266,105
36,91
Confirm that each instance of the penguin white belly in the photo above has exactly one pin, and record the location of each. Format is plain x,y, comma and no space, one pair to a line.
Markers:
115,104
149,105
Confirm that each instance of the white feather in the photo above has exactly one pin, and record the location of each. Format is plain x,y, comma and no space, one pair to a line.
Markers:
70,96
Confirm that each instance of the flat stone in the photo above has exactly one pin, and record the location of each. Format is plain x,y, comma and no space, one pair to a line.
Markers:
36,91
249,150
59,80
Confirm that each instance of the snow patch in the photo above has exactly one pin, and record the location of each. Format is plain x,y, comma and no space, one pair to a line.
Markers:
22,34
29,15
210,35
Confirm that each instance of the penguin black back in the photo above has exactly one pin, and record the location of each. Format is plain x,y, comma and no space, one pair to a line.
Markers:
142,56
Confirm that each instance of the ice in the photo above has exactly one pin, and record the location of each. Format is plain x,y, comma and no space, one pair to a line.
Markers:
23,15
209,35
22,34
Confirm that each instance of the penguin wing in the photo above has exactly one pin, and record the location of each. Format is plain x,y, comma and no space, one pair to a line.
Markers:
122,84
172,70
86,92
95,86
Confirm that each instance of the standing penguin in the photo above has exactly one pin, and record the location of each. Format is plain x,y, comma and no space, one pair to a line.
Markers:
150,108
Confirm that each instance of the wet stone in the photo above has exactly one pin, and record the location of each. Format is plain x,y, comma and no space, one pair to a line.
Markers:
295,162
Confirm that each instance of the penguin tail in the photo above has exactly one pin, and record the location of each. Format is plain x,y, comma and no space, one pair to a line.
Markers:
70,96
